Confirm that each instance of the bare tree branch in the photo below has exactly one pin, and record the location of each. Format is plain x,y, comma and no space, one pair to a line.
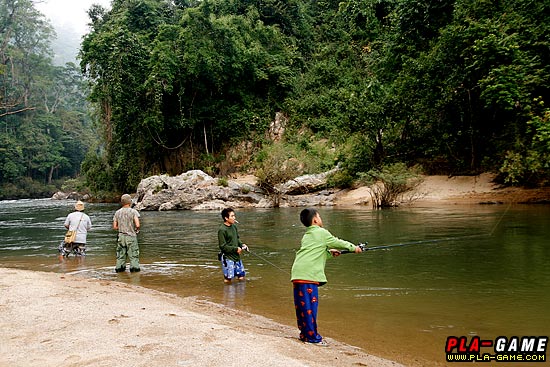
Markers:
18,111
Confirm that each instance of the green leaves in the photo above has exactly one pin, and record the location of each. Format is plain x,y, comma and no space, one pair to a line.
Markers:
44,130
171,79
448,81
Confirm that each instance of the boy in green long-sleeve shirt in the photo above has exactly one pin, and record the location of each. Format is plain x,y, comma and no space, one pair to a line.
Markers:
308,272
230,247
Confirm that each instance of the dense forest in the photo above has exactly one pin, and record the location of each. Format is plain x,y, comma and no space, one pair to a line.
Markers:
45,130
447,87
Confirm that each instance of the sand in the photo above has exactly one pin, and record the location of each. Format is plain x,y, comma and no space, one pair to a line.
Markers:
51,319
452,190
443,190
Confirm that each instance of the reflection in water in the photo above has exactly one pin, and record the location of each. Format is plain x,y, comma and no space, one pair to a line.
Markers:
489,277
233,294
70,265
129,277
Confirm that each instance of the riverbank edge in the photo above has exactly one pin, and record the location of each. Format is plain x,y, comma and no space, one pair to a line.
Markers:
52,319
440,191
434,190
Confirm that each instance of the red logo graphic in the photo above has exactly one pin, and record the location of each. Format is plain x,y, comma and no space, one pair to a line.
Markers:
515,349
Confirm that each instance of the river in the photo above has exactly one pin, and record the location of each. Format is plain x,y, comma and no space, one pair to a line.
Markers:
472,270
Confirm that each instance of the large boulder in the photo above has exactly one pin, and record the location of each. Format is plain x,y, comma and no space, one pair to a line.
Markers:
306,184
193,190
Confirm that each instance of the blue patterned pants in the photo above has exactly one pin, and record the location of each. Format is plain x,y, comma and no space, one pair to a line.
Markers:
232,269
306,302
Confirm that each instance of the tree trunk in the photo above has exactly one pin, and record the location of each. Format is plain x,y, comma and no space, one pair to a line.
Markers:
50,174
205,138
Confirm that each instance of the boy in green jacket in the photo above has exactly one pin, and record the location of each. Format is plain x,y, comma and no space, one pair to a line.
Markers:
308,272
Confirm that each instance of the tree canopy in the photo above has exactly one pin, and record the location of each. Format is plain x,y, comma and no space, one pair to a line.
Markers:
456,86
452,86
44,130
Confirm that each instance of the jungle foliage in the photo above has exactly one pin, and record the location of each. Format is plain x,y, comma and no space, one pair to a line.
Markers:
44,129
454,86
457,86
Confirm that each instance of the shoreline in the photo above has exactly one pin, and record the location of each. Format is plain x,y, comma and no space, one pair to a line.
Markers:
455,190
52,319
433,190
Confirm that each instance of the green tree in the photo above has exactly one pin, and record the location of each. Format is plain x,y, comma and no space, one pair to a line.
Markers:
115,57
475,83
24,46
44,128
172,83
451,84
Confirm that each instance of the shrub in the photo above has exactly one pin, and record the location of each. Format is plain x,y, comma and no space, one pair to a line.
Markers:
390,183
77,184
26,188
277,164
222,181
284,160
98,173
342,179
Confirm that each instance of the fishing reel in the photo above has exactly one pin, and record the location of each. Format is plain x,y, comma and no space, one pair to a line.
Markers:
362,246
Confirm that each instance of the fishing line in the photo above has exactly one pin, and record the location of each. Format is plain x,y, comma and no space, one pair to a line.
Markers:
267,261
365,247
436,240
445,238
500,219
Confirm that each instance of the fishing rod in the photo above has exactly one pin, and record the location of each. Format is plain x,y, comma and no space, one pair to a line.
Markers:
364,247
436,240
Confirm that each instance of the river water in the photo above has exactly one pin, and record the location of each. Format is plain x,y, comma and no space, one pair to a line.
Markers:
464,270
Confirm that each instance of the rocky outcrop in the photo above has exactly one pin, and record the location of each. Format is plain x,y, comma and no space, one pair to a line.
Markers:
60,195
277,127
196,190
193,190
306,184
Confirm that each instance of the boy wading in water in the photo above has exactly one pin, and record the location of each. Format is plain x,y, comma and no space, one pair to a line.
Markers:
230,247
308,272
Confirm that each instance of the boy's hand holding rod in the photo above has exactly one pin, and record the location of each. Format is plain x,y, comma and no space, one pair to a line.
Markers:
358,248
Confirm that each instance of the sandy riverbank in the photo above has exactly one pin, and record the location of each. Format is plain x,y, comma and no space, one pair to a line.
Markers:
64,320
445,190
